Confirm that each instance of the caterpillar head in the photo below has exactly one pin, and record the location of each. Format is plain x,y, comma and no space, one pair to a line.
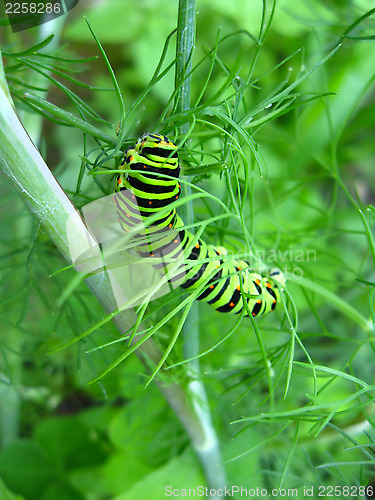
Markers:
155,145
278,275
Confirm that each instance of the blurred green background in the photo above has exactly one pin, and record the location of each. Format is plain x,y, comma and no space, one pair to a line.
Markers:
61,438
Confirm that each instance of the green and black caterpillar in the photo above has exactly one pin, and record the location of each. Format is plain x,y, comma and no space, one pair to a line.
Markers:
146,186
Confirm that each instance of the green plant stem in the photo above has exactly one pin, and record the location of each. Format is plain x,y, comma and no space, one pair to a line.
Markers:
26,171
184,51
208,449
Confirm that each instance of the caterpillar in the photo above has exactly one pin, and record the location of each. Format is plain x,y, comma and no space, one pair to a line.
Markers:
147,184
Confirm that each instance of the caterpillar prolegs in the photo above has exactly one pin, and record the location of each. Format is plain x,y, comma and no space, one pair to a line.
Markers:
144,191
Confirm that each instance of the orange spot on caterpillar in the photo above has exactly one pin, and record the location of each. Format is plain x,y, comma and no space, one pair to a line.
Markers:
259,301
177,197
119,181
274,302
151,254
133,196
127,215
231,304
131,158
150,202
257,282
238,288
169,225
212,286
175,241
197,245
268,285
253,314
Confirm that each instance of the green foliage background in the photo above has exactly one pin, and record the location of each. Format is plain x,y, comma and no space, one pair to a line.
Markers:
311,426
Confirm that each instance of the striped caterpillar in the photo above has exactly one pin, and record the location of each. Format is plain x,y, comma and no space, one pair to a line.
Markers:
143,191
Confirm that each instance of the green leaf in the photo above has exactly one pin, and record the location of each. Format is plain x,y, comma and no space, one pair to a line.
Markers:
26,468
32,50
181,472
71,443
336,302
6,494
62,490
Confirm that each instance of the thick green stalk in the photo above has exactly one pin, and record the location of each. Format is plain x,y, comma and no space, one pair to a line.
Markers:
208,449
26,171
184,51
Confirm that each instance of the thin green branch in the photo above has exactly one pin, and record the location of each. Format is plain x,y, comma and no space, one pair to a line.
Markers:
208,450
67,118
